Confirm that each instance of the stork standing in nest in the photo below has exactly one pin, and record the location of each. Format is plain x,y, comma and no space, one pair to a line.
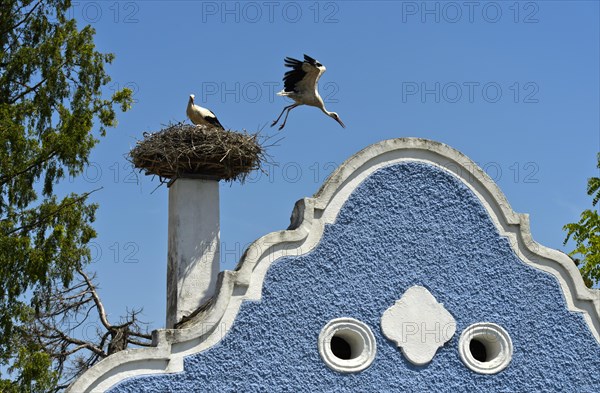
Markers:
201,116
301,85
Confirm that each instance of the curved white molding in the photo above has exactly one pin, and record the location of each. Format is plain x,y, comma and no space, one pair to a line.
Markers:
308,220
360,339
418,324
497,344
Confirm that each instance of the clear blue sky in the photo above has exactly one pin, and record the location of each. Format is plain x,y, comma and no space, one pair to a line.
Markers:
513,85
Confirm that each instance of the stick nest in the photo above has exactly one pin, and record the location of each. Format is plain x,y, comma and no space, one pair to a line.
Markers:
182,150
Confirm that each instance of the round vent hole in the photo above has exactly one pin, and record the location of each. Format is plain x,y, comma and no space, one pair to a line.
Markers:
485,348
341,348
347,345
478,350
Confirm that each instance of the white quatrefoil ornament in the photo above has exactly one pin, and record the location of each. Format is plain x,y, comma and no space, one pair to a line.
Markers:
418,324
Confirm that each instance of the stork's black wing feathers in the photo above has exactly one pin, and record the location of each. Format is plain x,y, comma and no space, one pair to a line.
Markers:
298,73
294,76
311,61
214,121
291,62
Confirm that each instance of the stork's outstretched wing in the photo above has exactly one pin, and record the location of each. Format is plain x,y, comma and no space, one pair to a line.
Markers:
303,76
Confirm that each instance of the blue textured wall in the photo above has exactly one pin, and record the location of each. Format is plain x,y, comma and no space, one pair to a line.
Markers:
407,224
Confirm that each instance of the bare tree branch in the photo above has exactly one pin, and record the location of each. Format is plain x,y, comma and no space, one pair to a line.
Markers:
58,329
140,343
99,305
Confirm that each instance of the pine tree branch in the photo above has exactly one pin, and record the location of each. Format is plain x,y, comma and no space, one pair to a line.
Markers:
24,19
11,101
6,178
45,217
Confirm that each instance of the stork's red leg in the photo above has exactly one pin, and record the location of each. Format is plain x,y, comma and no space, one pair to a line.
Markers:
275,122
286,115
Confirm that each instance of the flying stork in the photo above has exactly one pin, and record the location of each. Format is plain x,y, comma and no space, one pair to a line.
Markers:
301,85
201,116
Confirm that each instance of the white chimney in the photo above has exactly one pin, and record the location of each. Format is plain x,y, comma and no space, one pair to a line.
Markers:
193,254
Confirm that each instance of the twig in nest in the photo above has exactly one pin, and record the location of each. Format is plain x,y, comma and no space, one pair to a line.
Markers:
185,149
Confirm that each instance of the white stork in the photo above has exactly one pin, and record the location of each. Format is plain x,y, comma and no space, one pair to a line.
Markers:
201,116
301,85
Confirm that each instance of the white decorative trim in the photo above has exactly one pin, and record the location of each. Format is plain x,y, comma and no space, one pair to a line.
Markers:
309,218
360,339
497,343
418,324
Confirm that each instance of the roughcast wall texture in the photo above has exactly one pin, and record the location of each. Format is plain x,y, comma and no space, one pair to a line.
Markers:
407,224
